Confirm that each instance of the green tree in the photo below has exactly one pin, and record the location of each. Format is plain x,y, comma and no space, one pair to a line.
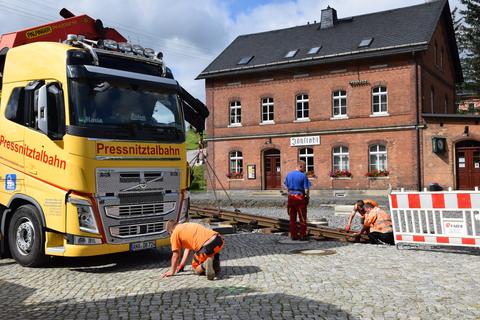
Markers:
468,37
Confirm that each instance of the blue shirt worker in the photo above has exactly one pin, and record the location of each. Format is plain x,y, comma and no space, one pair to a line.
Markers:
298,188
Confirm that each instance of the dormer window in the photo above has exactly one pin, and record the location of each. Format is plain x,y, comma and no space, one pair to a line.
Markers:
365,43
314,50
245,60
291,54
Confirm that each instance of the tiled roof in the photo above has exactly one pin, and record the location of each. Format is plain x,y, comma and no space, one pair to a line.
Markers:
393,31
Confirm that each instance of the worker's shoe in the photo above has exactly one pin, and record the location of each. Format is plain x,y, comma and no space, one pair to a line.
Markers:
209,270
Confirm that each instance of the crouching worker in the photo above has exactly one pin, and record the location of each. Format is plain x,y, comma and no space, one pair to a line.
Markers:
377,225
205,243
359,207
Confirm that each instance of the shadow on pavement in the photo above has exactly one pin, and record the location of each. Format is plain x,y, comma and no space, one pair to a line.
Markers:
207,303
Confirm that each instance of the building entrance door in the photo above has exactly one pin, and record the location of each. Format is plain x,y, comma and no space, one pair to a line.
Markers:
468,164
271,160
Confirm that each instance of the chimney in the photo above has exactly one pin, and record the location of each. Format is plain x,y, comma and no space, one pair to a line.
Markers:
329,18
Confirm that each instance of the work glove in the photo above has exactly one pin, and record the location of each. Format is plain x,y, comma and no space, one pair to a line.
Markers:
307,200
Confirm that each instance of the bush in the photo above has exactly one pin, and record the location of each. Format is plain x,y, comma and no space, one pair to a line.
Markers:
198,183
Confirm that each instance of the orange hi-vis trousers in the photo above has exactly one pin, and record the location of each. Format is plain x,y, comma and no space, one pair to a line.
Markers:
297,206
210,250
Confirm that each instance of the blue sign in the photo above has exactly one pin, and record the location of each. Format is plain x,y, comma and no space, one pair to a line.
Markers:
11,181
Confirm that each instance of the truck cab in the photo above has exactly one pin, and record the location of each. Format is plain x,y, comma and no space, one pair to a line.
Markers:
92,148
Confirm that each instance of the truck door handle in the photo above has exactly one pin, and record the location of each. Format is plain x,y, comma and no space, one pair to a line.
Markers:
32,171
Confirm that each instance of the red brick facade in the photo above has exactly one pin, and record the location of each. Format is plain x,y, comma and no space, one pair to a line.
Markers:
404,76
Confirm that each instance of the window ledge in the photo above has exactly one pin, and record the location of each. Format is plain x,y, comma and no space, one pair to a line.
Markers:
378,178
380,114
235,125
340,178
302,120
235,179
266,123
339,118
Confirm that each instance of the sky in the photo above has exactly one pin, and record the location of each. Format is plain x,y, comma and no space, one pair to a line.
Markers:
190,33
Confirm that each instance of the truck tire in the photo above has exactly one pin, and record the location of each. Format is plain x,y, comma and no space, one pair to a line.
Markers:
26,238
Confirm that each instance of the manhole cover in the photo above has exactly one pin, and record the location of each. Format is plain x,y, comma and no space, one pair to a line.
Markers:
314,252
290,241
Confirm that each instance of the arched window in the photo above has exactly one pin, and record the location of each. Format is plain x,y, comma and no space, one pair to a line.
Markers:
236,165
306,154
377,157
341,159
379,100
301,112
235,113
267,110
339,104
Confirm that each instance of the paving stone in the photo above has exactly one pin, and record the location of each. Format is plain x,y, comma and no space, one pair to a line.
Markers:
261,279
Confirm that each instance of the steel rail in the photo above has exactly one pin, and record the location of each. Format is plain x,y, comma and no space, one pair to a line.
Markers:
275,223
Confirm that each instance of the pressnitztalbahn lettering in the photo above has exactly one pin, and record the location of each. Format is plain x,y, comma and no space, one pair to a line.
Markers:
33,153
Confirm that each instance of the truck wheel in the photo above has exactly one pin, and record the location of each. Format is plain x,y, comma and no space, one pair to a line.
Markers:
26,238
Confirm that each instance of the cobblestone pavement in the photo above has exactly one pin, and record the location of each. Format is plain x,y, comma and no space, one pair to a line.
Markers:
261,278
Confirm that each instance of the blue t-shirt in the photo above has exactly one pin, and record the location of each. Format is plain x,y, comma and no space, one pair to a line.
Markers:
296,182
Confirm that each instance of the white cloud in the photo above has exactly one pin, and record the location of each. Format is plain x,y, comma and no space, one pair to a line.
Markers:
190,33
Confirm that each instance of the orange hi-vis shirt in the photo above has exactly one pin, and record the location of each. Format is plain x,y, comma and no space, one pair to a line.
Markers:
378,221
190,235
372,202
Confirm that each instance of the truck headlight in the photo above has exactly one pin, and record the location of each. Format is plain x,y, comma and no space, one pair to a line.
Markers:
85,214
86,218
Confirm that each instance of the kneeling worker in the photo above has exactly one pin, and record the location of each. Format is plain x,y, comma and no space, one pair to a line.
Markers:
378,225
359,207
205,242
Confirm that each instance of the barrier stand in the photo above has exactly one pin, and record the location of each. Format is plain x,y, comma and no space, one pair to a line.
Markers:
436,218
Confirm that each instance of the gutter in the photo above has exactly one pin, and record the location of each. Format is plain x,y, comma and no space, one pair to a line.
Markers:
322,132
204,74
417,129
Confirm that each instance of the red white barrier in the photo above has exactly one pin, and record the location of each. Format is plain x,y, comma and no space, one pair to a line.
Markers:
438,218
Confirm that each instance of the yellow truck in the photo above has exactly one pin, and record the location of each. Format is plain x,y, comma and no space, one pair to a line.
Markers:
92,143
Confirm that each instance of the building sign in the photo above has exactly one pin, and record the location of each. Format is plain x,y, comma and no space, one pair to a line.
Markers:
359,83
454,227
251,172
304,141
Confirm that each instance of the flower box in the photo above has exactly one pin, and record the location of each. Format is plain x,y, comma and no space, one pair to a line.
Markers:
377,173
338,174
234,175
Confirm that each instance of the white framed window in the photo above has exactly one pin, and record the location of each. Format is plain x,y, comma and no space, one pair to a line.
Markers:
302,108
339,104
341,159
377,157
306,154
379,100
267,110
235,113
235,170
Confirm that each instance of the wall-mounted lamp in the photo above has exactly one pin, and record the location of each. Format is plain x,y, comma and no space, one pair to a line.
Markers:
465,131
269,141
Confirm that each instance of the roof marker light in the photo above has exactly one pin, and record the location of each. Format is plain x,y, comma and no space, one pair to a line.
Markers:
137,49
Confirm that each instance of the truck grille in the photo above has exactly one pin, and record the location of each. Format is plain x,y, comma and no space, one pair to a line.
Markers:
140,210
137,230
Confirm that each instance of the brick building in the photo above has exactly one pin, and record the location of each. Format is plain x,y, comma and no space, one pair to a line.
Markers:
362,100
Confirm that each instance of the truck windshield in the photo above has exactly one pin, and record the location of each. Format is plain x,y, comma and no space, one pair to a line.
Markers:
142,111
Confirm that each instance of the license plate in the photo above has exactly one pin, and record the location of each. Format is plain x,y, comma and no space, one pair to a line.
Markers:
142,245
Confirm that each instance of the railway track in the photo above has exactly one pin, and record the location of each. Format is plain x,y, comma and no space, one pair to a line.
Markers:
272,224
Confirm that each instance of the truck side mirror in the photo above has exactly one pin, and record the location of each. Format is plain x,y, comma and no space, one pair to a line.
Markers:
50,111
42,109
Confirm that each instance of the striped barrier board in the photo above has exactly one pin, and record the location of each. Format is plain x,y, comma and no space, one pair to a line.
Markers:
437,218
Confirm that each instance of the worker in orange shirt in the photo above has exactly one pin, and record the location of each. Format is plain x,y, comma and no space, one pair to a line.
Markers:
359,207
377,225
205,243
